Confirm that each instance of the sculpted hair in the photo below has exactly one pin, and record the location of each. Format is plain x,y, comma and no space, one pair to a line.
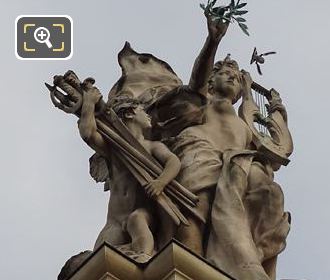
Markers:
124,104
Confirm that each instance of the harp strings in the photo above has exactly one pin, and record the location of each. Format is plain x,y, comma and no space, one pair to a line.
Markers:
257,101
261,100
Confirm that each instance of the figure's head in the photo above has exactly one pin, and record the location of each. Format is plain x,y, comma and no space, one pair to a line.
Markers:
225,80
130,111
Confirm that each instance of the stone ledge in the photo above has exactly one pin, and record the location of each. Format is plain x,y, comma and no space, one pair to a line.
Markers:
174,262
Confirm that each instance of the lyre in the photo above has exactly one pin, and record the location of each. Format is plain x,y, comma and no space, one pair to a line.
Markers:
266,117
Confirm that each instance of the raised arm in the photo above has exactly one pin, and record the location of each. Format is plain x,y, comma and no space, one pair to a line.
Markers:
87,123
204,62
172,166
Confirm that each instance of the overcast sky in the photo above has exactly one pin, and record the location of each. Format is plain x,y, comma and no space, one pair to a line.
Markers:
50,208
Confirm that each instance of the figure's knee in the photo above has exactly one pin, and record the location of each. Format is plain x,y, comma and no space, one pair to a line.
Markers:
138,227
140,217
133,219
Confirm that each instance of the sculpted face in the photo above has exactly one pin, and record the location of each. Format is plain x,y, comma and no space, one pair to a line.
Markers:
226,82
142,118
129,111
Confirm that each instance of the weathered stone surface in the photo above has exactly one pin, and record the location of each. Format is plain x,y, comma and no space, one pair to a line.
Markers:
173,262
72,264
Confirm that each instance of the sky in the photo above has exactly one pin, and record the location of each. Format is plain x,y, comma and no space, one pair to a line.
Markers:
51,209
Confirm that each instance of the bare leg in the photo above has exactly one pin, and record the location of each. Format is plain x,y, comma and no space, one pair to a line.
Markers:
113,234
138,226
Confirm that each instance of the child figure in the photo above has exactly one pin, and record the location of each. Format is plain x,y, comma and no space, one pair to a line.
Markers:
131,214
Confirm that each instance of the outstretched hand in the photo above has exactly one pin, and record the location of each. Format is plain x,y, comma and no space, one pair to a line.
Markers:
91,94
217,28
74,92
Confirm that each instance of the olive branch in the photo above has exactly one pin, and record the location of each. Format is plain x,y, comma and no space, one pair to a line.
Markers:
230,13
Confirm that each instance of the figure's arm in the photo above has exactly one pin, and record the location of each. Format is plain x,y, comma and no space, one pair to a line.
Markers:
172,166
87,123
204,62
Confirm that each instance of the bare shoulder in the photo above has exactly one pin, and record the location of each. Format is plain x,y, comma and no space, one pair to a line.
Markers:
158,146
160,151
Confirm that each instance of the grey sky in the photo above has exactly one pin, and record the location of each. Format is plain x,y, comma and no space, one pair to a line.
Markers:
51,209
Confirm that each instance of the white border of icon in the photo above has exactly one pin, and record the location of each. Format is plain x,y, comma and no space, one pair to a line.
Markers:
31,58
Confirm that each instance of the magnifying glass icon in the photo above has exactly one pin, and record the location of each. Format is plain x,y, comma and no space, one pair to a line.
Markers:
41,35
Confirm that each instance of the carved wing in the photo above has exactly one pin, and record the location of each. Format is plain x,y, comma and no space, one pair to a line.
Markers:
268,123
98,169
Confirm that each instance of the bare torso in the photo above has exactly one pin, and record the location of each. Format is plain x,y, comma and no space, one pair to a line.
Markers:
223,128
126,192
200,147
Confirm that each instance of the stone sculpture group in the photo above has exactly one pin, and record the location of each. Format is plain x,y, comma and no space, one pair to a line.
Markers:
181,163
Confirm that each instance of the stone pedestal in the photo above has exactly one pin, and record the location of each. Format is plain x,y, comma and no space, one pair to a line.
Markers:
174,262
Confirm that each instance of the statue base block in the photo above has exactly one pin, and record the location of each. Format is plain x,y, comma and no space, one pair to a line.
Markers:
174,262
